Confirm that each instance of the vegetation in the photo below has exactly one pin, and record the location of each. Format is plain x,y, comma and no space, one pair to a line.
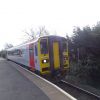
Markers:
85,53
42,31
3,53
7,46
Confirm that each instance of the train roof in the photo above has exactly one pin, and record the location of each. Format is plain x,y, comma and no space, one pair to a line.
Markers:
35,40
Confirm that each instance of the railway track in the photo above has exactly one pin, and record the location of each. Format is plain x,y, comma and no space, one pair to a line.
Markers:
77,92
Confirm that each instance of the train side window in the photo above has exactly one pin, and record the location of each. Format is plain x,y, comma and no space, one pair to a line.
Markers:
43,46
36,52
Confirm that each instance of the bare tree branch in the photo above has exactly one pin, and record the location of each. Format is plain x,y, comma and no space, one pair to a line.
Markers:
33,34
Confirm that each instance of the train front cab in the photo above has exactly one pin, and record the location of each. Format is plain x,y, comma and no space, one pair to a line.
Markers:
44,55
53,55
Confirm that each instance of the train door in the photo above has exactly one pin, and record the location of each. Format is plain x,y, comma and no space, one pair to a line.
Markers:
54,50
36,59
56,55
31,56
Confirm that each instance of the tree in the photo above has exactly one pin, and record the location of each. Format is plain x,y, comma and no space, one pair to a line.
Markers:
88,39
7,46
42,31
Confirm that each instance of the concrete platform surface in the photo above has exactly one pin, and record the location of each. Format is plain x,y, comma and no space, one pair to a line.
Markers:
17,83
15,86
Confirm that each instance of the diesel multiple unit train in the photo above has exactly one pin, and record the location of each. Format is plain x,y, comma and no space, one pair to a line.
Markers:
46,55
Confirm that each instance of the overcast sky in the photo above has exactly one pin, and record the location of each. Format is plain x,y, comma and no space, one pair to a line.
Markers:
58,16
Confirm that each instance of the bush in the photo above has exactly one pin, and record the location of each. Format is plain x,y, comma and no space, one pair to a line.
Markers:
89,73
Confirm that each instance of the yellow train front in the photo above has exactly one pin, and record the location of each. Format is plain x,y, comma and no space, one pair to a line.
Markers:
53,55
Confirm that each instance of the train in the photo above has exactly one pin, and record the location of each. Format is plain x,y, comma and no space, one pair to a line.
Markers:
45,55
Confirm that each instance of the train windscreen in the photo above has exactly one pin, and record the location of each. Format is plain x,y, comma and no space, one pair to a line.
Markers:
44,46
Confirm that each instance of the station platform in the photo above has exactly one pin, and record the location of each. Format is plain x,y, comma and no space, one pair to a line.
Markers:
17,83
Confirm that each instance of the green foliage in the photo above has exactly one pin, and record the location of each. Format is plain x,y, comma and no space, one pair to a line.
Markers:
87,39
85,74
81,72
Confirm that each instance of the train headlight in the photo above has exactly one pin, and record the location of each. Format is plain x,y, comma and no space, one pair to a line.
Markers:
65,58
45,61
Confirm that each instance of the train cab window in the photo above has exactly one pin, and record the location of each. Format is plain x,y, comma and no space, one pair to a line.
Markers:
64,46
43,46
